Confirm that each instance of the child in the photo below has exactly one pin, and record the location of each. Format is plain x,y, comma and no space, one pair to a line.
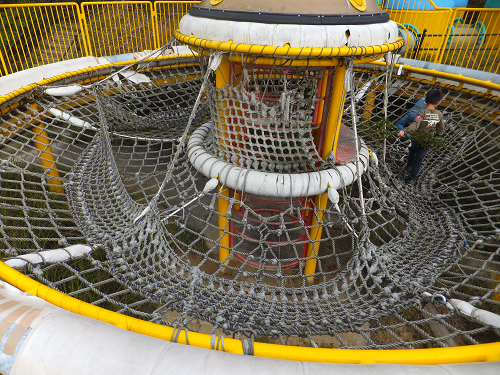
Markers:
428,120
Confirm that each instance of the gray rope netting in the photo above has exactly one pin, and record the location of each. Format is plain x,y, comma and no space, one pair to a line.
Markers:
441,236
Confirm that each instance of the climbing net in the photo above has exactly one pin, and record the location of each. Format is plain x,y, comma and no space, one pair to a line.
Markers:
374,273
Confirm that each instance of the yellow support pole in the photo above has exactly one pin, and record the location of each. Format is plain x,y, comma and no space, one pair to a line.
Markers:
316,232
335,113
223,206
322,94
321,105
222,78
370,102
42,143
332,130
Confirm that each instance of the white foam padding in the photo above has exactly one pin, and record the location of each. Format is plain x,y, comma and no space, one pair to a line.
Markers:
317,36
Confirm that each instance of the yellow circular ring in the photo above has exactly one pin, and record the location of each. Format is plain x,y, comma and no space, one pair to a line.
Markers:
308,52
215,2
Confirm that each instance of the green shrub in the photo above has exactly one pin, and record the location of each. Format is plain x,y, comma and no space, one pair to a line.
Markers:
429,140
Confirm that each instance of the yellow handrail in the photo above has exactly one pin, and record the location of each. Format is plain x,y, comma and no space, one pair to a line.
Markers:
287,50
37,34
456,77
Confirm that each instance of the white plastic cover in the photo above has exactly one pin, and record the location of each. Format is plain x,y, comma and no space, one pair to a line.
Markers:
319,36
60,342
15,81
72,119
267,183
49,256
473,312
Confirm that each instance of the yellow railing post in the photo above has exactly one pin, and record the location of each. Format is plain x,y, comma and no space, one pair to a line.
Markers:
331,138
446,35
4,72
83,31
154,19
47,160
118,27
222,79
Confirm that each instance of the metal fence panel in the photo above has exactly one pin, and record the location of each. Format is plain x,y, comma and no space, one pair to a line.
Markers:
113,28
474,40
38,34
168,16
465,37
426,29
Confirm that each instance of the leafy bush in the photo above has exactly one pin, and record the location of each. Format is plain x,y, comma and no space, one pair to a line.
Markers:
385,129
429,140
380,130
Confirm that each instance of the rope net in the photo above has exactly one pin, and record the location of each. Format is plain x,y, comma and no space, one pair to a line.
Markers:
441,236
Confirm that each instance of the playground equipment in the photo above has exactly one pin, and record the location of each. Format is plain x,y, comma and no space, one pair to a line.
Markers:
492,4
108,194
276,114
471,36
410,35
419,4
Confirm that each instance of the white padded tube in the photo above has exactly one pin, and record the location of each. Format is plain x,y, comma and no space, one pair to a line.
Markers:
71,119
318,36
49,256
267,183
473,312
60,343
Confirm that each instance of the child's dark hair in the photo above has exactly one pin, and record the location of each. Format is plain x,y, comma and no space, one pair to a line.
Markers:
433,96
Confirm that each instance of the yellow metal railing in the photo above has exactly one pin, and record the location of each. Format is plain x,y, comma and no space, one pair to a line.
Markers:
168,15
114,28
465,37
37,34
425,46
473,40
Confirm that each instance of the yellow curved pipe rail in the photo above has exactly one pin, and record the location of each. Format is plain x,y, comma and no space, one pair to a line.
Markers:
435,73
327,62
463,354
288,51
4,99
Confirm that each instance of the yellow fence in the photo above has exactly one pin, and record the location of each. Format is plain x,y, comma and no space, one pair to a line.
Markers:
423,46
113,28
466,37
168,16
37,34
475,40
